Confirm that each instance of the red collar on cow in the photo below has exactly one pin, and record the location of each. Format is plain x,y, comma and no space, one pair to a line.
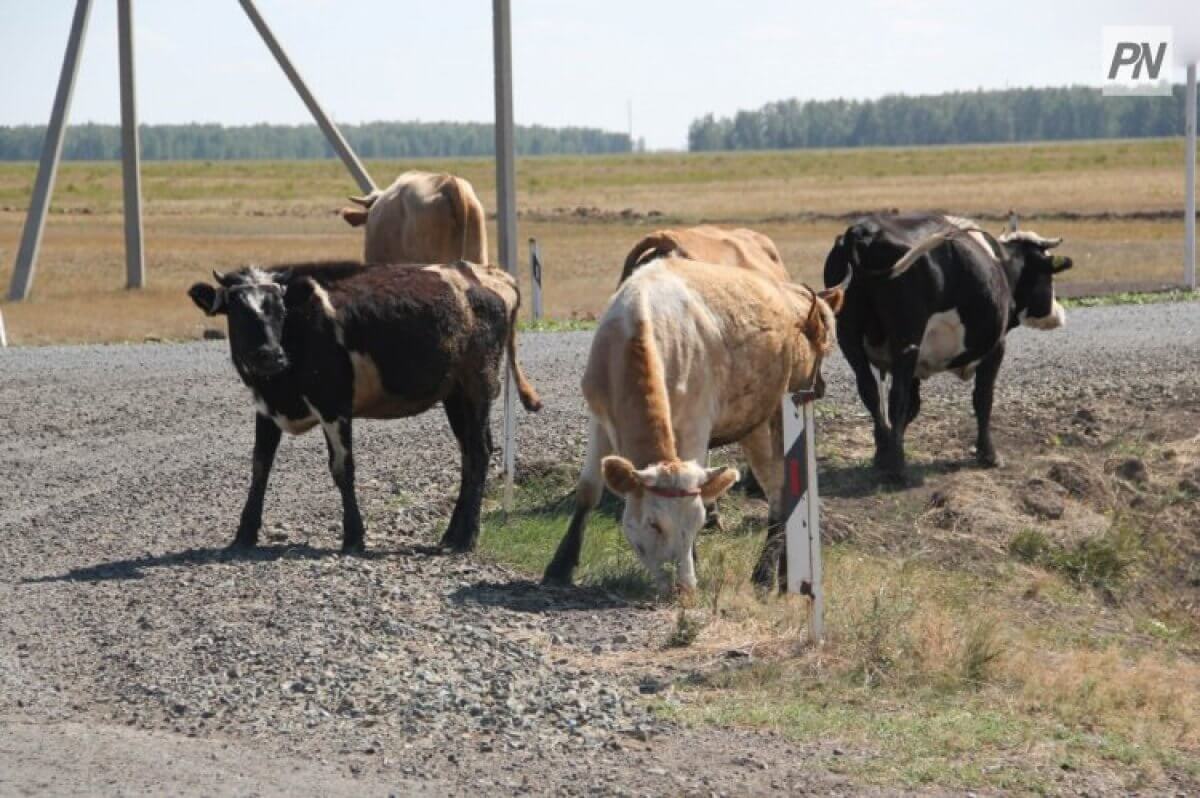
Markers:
673,493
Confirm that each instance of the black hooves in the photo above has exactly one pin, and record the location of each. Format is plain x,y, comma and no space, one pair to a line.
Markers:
241,545
354,547
554,577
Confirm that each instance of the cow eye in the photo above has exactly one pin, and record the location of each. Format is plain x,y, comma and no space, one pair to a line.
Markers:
655,528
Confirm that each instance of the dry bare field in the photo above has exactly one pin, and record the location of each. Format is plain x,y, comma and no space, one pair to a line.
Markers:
1117,203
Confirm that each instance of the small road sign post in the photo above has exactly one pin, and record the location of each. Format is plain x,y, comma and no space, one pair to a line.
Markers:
801,507
535,278
3,335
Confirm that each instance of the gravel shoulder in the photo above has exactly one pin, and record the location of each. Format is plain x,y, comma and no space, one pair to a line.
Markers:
135,656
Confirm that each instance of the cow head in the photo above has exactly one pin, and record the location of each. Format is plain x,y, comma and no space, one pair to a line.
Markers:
664,510
253,301
1034,268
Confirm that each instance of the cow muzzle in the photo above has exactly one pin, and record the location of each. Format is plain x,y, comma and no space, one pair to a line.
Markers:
266,361
1057,317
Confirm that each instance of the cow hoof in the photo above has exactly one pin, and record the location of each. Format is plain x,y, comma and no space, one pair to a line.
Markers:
239,546
712,521
354,548
991,460
557,579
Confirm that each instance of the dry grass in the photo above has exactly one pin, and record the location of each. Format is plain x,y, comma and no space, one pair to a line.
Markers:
204,215
950,660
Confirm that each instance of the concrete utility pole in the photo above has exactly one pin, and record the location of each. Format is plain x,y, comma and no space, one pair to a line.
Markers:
1189,226
131,156
506,205
35,221
332,134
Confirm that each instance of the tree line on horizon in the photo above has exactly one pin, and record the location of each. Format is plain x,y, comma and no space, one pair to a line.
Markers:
962,117
94,142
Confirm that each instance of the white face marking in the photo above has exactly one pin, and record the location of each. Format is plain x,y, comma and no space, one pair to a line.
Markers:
944,340
1056,318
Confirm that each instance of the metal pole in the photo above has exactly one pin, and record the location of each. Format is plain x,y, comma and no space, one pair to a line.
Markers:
535,278
506,205
43,185
131,159
1189,242
3,335
332,134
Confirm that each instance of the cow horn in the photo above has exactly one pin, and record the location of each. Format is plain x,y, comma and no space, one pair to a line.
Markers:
1051,243
365,201
220,278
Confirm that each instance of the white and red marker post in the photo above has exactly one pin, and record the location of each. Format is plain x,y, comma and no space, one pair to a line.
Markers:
800,509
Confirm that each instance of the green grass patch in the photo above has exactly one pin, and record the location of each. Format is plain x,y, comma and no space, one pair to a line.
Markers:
556,325
1132,298
1102,561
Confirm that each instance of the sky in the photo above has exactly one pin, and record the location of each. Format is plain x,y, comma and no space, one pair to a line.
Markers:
574,62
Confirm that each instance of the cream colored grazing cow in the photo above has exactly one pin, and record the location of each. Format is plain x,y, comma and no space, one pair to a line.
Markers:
741,247
421,218
688,356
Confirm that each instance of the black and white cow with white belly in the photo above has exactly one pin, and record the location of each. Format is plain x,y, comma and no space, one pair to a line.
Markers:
934,293
321,344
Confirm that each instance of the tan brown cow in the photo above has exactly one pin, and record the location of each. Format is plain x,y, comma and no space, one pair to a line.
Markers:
688,356
421,218
741,247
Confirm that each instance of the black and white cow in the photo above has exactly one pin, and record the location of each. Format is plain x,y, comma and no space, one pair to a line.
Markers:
934,293
320,344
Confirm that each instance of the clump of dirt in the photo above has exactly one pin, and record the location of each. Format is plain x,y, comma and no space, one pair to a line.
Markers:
1080,481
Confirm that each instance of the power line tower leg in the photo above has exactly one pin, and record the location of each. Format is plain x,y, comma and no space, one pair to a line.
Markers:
35,221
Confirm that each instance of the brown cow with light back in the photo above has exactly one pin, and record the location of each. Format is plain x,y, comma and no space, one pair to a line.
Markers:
689,356
422,217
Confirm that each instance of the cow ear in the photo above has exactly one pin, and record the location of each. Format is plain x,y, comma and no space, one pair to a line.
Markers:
621,477
1060,263
209,299
716,482
834,297
354,217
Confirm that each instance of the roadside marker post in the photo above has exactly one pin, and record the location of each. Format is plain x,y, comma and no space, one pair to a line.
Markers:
535,276
801,507
3,335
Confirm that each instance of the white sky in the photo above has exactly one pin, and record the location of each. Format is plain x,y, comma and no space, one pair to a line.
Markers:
575,61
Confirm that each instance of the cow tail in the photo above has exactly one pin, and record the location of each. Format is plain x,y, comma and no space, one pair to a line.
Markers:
529,396
652,246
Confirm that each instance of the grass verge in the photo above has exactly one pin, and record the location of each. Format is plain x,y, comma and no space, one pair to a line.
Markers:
930,676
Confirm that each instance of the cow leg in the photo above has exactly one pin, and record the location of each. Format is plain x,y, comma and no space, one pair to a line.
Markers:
985,388
339,441
469,421
266,442
900,402
914,406
868,391
587,495
763,449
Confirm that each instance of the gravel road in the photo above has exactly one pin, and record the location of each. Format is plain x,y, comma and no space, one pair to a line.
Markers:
135,657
